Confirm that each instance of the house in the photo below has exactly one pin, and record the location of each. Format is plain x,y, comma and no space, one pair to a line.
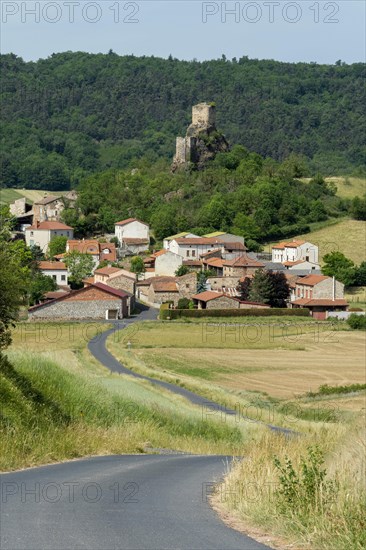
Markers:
42,233
215,300
232,242
167,263
133,236
56,270
320,294
99,251
96,301
48,209
157,290
220,300
117,278
243,266
302,265
294,251
184,234
194,247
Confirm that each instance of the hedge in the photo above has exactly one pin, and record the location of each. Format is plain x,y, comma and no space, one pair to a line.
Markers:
265,312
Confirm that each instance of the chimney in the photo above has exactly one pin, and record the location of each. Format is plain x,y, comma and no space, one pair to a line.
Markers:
334,288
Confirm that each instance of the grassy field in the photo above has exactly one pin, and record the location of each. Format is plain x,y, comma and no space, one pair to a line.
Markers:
347,187
356,296
266,372
58,403
9,195
346,236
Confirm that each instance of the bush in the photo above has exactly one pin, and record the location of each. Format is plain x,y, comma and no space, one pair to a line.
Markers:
357,322
265,312
184,303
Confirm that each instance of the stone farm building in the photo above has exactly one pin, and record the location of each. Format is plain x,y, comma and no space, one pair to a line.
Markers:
95,302
218,300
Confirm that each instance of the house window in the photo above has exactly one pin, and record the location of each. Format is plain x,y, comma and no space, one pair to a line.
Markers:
31,242
54,277
68,233
32,234
187,253
307,258
63,277
193,253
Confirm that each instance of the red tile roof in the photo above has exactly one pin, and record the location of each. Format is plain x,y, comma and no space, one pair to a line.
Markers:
293,244
52,295
111,290
243,261
49,226
105,288
85,246
53,266
48,199
214,262
164,284
208,295
320,302
312,280
197,263
130,220
210,252
107,270
159,253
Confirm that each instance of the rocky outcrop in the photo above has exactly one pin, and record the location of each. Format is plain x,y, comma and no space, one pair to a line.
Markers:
202,141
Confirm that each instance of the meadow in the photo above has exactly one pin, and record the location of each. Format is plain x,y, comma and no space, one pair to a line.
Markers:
304,491
9,194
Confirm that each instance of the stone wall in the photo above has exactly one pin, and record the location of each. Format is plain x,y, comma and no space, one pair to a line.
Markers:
223,303
77,309
161,297
187,285
217,283
122,282
204,115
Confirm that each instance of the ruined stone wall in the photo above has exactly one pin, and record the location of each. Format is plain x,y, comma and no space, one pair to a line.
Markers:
204,115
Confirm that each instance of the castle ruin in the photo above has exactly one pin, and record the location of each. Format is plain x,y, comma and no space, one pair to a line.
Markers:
202,141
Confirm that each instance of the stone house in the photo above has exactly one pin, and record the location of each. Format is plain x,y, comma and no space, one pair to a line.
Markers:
133,235
41,233
243,266
158,290
294,251
119,279
96,302
320,294
56,270
301,265
48,209
215,300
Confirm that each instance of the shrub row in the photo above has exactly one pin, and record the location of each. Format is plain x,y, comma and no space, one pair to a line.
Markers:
265,312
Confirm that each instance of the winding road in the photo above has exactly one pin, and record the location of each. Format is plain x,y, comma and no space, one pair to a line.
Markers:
124,502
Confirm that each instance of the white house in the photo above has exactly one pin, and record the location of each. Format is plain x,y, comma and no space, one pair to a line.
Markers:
193,247
133,235
56,270
183,235
42,233
295,251
167,263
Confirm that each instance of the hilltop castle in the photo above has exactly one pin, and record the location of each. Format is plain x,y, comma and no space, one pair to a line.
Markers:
202,141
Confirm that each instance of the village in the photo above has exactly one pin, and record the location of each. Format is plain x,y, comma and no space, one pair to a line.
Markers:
219,260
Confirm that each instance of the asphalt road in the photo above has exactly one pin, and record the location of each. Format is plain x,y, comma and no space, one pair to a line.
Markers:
138,502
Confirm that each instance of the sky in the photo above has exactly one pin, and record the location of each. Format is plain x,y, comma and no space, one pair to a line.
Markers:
307,31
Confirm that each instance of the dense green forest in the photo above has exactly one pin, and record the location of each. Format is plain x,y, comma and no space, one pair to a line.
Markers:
75,114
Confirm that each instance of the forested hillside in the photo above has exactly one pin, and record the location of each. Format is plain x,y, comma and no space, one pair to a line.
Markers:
75,114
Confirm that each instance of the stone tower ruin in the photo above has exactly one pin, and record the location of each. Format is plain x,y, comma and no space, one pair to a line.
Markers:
202,141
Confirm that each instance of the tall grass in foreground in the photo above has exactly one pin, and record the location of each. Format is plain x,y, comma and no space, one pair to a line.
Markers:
284,487
49,414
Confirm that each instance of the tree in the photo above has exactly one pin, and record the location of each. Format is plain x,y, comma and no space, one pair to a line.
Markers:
57,246
40,284
201,282
182,270
244,289
80,266
261,288
360,278
184,303
337,265
14,277
137,265
280,291
358,208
